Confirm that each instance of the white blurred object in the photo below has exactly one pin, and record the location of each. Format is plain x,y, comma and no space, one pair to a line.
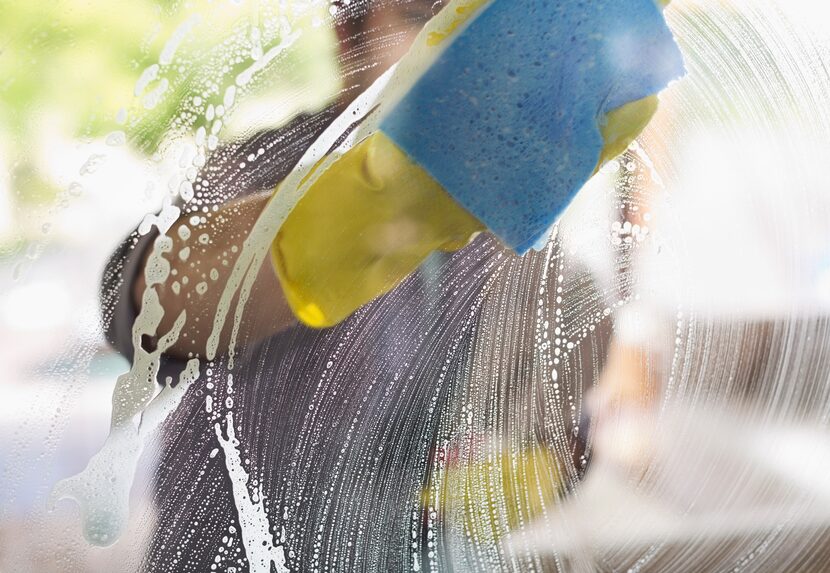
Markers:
810,14
709,476
36,306
745,229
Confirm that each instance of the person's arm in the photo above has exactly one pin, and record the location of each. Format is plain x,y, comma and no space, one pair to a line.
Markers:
204,255
230,187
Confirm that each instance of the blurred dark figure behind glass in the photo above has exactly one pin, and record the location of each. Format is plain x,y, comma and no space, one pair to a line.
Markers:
338,443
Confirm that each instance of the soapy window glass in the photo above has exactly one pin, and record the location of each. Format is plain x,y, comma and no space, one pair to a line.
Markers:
647,391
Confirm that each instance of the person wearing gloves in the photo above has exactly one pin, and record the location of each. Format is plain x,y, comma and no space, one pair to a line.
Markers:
517,106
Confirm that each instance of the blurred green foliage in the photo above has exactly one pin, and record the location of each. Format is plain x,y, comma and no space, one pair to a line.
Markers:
77,59
69,67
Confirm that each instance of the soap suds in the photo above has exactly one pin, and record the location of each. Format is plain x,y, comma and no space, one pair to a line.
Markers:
105,508
261,551
245,77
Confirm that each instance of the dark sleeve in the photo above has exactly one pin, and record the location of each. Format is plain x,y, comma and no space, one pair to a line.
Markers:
118,310
274,154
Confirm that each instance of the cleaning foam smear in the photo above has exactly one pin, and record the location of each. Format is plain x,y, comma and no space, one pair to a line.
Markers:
102,489
257,538
105,508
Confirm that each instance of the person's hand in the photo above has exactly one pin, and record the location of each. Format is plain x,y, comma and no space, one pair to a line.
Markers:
362,227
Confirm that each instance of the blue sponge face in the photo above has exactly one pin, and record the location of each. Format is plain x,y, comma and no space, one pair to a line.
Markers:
507,119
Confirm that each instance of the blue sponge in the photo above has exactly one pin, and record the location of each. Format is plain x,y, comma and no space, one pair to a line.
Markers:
507,118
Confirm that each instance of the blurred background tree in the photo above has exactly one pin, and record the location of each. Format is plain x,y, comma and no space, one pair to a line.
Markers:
142,73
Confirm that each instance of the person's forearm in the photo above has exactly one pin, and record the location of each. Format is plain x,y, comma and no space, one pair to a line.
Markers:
201,262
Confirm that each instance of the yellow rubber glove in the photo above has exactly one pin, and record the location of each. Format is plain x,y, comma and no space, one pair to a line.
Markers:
365,225
623,125
374,216
499,492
